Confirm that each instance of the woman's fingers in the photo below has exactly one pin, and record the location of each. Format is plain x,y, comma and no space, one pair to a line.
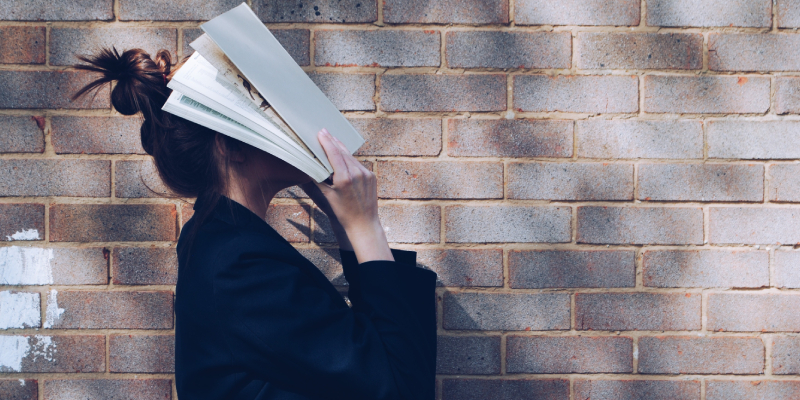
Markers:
353,164
333,152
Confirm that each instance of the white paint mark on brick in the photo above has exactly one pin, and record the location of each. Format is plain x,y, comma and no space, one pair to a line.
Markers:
12,350
22,382
25,234
19,310
26,266
53,313
44,347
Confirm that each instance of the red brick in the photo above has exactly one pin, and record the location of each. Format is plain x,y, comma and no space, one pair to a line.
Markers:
640,50
109,310
464,267
399,137
445,11
328,261
701,182
706,94
487,49
505,389
19,389
185,10
374,48
74,353
747,390
570,181
569,354
784,355
577,12
144,266
640,225
705,268
754,225
788,12
576,93
349,11
508,223
439,180
465,355
79,178
753,312
22,45
117,389
509,138
49,89
787,95
787,269
700,355
348,92
783,185
137,178
637,390
21,222
681,13
112,222
443,92
753,52
291,221
114,135
637,311
68,43
22,134
538,269
66,10
509,312
639,139
187,211
754,139
142,353
411,223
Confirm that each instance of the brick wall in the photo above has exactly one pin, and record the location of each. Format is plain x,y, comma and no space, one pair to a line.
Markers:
606,188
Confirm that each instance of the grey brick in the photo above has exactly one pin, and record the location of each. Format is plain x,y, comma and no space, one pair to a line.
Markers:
570,354
509,138
741,13
537,269
754,312
440,180
399,137
348,92
783,184
787,95
385,48
515,312
62,389
443,92
577,12
638,311
64,10
639,139
411,223
630,389
92,135
21,134
705,268
109,310
754,139
505,223
142,353
49,89
505,389
753,52
701,182
345,11
700,355
144,266
487,49
788,12
576,93
754,225
787,269
445,11
464,267
706,94
463,355
138,178
184,10
79,178
570,181
74,354
784,355
640,225
24,221
68,43
640,50
747,390
19,389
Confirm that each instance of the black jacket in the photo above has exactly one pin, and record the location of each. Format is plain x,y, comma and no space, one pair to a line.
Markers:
257,320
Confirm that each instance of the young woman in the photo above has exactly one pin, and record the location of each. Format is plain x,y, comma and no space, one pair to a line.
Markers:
254,318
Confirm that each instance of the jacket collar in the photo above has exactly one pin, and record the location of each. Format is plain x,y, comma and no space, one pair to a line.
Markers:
230,211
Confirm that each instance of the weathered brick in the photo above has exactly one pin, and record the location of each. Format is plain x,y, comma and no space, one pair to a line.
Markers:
79,178
637,311
317,11
74,353
570,354
640,50
438,180
510,312
295,41
185,10
290,220
507,223
293,192
787,95
137,178
639,139
117,389
505,389
22,44
348,92
741,13
753,312
464,355
78,135
576,12
60,266
787,269
68,43
700,355
19,389
464,267
537,269
374,48
49,89
705,268
637,390
411,223
570,181
443,92
640,225
747,390
509,138
706,94
754,139
108,310
144,266
399,137
753,52
576,93
784,355
754,225
445,11
21,222
19,310
783,185
701,182
21,134
788,12
487,49
142,353
112,222
328,261
66,10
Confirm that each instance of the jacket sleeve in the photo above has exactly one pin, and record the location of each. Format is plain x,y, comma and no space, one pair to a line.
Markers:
290,332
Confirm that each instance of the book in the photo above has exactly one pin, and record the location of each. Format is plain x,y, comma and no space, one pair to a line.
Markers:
242,83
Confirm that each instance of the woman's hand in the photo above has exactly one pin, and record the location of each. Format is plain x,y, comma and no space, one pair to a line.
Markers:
352,200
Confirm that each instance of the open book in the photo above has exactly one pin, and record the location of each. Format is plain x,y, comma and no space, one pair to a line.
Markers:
242,83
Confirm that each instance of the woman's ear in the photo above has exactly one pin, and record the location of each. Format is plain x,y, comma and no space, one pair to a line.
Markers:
229,148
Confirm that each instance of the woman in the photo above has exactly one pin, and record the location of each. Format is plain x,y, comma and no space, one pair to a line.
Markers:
254,318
